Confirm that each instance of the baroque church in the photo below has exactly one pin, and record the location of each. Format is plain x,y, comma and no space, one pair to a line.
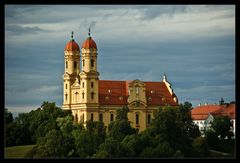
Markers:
90,98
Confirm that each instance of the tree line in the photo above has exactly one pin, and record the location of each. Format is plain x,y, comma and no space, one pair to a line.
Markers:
171,133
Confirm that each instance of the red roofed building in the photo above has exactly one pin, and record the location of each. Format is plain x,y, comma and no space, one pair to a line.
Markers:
98,100
204,115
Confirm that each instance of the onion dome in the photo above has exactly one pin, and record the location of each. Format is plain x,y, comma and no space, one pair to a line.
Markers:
72,45
89,43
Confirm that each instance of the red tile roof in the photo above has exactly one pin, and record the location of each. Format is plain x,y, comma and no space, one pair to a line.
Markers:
118,94
89,43
202,112
71,46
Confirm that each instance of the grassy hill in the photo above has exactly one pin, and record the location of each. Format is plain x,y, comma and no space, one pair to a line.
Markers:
17,151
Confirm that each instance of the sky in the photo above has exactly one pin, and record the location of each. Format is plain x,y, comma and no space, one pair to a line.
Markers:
193,44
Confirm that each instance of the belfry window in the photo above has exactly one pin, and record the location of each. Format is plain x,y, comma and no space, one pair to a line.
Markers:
92,62
66,65
92,95
75,64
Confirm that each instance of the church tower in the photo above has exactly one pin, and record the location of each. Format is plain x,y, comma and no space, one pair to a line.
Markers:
89,75
71,71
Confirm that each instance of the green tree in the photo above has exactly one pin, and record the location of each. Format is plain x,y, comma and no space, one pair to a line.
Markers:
111,148
222,125
211,138
53,145
168,127
87,141
8,116
121,127
184,116
200,147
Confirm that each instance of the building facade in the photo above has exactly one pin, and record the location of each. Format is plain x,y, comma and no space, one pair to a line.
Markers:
90,98
205,114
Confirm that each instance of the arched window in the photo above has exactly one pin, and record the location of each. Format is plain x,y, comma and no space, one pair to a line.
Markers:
83,62
92,95
111,117
66,96
137,119
92,117
76,118
83,84
100,117
91,84
75,64
92,62
83,118
76,96
149,119
66,65
83,95
66,86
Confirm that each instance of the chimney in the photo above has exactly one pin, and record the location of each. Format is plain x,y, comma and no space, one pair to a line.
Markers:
199,104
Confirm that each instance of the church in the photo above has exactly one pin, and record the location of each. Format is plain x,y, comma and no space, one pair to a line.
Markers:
90,98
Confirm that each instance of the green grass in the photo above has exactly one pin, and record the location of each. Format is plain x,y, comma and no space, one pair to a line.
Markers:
17,151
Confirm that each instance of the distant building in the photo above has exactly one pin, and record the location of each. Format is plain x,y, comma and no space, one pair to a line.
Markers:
205,114
98,100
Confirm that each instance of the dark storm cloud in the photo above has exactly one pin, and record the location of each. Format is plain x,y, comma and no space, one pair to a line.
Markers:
197,55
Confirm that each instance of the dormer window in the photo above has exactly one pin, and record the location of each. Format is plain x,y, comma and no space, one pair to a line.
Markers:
120,98
109,91
152,91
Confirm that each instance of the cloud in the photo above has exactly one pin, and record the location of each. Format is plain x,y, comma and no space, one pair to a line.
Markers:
151,12
19,30
193,44
206,94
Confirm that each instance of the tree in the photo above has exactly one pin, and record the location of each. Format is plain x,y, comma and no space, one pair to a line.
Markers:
211,138
222,125
168,127
121,127
200,147
184,116
53,145
87,141
8,116
110,148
